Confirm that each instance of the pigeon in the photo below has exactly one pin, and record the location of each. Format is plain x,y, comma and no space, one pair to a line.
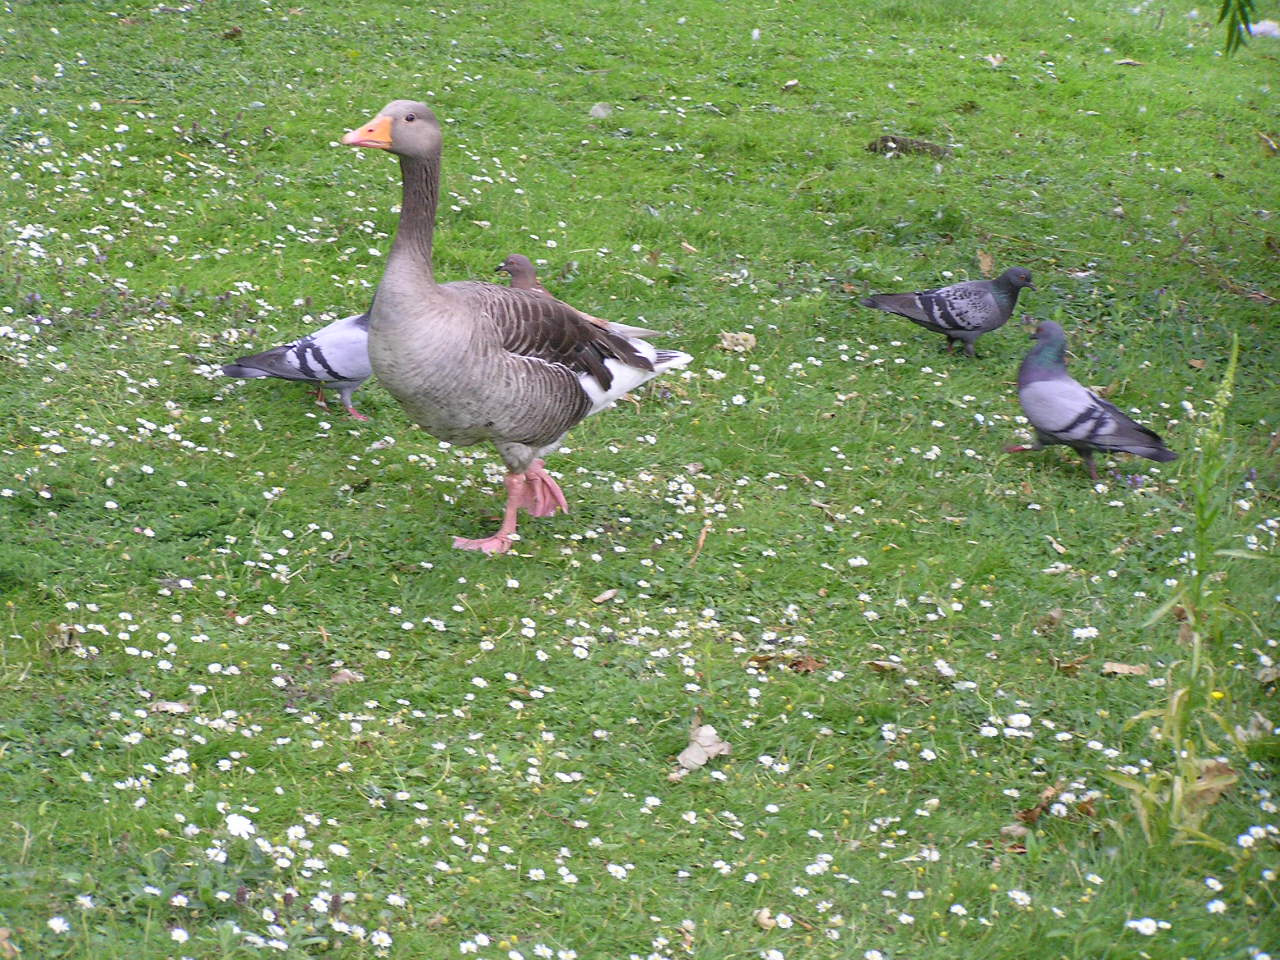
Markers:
962,311
1062,411
336,356
524,276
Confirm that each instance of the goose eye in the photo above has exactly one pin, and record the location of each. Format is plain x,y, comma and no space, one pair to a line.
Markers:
409,118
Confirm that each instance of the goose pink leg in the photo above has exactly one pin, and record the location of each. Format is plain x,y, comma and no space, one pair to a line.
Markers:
500,542
545,496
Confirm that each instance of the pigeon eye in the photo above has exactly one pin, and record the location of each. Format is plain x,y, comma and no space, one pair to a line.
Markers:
409,118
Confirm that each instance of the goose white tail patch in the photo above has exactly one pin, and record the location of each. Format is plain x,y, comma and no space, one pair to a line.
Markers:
627,378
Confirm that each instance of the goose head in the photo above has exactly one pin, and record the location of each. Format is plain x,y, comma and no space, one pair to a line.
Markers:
406,128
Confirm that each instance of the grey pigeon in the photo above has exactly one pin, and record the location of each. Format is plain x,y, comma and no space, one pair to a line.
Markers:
1062,411
335,356
962,311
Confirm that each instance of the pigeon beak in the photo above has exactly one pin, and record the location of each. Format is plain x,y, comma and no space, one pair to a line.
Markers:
1031,286
499,268
376,134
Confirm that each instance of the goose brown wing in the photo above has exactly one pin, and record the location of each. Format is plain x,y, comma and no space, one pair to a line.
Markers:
534,325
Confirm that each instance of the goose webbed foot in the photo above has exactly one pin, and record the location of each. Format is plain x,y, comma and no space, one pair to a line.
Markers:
543,496
517,497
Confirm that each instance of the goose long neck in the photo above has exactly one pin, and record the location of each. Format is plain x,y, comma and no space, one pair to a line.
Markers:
412,245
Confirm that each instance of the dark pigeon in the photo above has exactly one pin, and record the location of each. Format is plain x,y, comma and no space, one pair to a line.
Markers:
963,311
1062,411
336,356
524,275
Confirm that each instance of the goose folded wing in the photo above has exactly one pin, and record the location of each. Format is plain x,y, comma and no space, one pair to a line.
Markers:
533,325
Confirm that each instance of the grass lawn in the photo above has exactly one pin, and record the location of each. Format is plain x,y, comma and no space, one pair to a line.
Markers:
251,702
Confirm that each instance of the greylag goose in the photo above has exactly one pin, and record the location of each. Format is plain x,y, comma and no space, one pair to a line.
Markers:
962,311
524,276
1063,411
335,356
472,361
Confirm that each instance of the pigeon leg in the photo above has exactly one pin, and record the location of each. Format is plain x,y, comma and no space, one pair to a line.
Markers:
356,413
1019,448
320,397
1093,470
545,497
500,542
969,351
951,345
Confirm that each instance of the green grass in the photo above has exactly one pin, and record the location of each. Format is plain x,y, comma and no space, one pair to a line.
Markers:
472,731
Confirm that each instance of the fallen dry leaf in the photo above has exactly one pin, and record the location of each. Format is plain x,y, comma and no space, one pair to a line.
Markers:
1032,814
764,919
884,666
1215,779
1126,62
8,949
986,263
737,342
806,664
1259,728
606,596
170,706
1069,667
1112,669
688,247
704,744
1198,364
346,676
1049,622
1014,831
791,85
1087,808
1268,675
1055,544
995,59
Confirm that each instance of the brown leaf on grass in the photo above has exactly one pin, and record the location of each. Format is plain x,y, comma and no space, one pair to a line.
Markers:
1269,142
1112,669
1069,667
1126,62
760,659
346,676
233,34
884,666
1198,364
1268,675
1013,831
688,247
704,744
1186,634
1049,622
737,342
1027,489
8,949
1087,808
764,919
791,85
986,263
606,596
170,706
1055,544
1215,779
1179,612
806,664
995,59
1032,814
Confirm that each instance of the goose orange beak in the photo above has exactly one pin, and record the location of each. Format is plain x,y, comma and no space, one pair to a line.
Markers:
376,133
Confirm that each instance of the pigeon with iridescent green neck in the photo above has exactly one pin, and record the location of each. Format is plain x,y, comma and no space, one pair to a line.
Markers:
1062,411
963,311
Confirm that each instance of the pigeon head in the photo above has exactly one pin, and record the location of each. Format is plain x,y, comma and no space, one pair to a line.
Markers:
1018,277
406,128
516,264
1047,331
